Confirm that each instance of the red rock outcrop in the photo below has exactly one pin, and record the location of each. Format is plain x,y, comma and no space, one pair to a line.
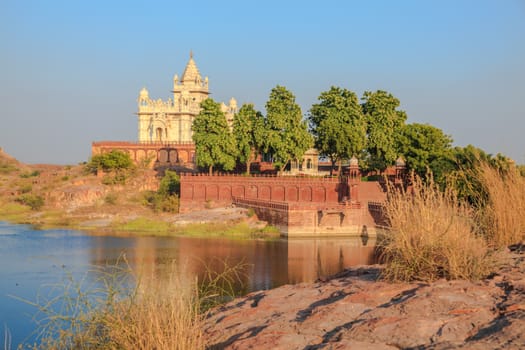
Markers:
356,311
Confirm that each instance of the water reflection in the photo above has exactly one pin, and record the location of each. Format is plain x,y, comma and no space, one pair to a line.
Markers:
267,264
309,259
30,259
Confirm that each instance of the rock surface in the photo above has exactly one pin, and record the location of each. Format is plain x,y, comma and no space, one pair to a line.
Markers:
355,310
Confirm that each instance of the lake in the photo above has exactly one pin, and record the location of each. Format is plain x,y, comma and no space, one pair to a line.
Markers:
33,261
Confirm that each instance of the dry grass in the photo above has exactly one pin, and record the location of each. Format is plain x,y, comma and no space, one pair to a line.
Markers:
113,308
431,236
161,316
502,208
161,312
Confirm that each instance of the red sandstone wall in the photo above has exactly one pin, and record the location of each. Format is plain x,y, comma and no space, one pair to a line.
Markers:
163,153
298,206
203,191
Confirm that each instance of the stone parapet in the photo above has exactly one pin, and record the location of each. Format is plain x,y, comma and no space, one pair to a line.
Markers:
153,153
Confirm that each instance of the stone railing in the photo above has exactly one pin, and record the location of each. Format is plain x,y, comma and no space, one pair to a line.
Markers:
377,210
251,203
287,178
142,143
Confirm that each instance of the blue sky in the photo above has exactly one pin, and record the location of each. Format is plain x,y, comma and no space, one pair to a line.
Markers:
70,71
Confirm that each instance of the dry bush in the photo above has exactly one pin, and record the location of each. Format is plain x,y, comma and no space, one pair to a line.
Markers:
123,312
114,307
502,205
431,236
162,315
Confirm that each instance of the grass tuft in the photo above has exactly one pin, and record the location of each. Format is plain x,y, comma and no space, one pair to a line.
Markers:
113,308
502,206
432,236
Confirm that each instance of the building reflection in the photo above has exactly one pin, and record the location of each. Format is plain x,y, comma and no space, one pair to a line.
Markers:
310,259
261,264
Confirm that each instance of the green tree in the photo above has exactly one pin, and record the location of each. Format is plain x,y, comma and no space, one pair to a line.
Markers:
287,135
424,148
214,143
112,161
166,199
384,123
338,125
169,184
464,173
248,131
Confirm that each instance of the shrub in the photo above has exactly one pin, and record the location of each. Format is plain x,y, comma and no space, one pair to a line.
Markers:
26,188
159,202
34,173
116,179
166,199
170,183
502,208
431,236
108,162
169,204
111,198
33,201
6,168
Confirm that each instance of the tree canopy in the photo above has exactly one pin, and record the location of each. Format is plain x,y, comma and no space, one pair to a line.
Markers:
214,143
248,131
338,125
112,161
287,135
424,148
384,124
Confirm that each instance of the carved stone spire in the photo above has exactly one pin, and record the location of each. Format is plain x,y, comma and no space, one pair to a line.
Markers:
191,72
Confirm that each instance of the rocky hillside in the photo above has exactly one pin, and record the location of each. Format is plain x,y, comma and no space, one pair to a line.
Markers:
67,194
356,311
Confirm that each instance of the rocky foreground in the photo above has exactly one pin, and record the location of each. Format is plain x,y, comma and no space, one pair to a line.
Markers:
356,311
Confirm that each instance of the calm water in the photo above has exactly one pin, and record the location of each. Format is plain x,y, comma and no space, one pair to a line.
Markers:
31,261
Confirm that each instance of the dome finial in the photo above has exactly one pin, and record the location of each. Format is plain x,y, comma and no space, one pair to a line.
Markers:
191,53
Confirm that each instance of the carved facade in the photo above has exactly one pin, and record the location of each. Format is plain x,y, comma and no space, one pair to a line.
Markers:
165,127
171,121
